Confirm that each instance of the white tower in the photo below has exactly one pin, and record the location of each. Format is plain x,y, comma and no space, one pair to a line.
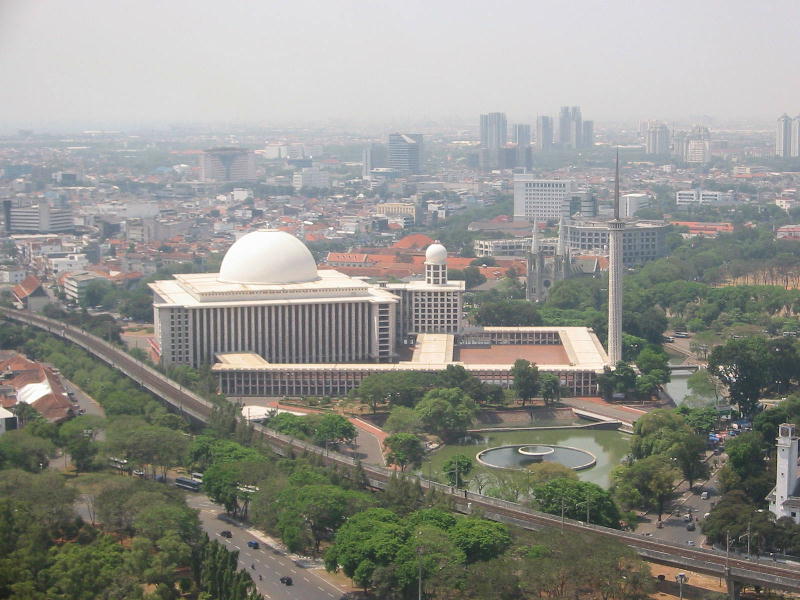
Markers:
615,234
436,264
786,476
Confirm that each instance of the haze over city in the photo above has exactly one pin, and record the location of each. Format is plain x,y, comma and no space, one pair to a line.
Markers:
130,64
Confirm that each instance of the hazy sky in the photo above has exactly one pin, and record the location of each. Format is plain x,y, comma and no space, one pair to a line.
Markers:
108,63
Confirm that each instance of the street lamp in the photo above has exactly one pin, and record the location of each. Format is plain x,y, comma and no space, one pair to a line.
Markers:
681,578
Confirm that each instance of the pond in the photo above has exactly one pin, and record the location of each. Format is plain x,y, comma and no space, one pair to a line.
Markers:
609,447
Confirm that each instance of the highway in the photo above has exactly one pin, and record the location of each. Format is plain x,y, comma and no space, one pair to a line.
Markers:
705,560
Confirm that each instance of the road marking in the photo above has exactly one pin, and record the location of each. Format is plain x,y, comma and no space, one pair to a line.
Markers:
306,578
320,589
294,571
235,546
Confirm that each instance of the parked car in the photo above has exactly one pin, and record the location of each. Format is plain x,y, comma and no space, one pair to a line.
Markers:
704,496
226,534
690,527
253,544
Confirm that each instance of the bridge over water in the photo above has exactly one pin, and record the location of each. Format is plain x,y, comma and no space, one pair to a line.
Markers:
736,570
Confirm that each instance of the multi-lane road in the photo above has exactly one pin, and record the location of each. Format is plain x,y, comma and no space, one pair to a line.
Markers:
265,564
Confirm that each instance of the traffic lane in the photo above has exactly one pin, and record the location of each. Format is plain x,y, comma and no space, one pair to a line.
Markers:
263,561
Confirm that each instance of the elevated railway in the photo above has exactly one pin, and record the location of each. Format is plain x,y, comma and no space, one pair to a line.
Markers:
736,570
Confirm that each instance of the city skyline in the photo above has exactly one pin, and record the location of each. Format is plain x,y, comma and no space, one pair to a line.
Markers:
263,63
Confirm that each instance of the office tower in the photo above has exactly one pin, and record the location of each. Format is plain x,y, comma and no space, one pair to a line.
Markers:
405,152
374,156
630,204
657,142
494,135
697,146
587,137
522,138
541,199
794,149
564,123
26,217
544,133
616,231
575,128
227,164
783,136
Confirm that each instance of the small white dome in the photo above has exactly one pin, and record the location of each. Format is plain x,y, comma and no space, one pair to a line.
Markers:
268,257
436,254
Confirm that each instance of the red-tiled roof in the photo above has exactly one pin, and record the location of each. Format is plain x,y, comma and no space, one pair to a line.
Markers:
27,287
415,241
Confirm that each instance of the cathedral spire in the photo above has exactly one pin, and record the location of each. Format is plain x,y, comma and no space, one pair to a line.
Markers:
535,237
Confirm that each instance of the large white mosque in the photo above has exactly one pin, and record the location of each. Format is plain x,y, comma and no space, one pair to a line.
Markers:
272,324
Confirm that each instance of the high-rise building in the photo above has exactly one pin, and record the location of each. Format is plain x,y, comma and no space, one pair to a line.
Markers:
564,121
587,137
544,133
494,135
310,177
373,156
575,128
783,136
405,152
570,127
227,164
697,146
794,150
657,142
541,199
522,138
22,217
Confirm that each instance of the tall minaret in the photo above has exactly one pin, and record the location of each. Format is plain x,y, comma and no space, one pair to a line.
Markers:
615,232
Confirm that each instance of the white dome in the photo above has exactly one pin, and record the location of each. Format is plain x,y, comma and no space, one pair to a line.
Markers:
436,254
268,257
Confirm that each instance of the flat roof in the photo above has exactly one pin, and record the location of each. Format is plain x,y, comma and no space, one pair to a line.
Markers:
541,354
433,348
204,289
580,350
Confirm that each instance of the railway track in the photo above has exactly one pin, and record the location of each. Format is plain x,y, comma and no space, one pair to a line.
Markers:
709,561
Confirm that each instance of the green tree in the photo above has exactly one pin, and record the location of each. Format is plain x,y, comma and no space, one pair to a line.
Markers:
649,480
456,468
446,412
508,313
480,539
577,499
526,379
402,419
368,540
404,449
743,366
21,450
689,456
550,387
334,429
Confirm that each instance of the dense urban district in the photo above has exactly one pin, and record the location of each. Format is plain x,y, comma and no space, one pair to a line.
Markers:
595,323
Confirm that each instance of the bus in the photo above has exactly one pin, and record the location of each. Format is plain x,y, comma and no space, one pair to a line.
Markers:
188,484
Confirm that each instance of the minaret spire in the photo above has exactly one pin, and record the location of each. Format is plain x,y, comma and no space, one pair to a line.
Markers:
616,229
616,190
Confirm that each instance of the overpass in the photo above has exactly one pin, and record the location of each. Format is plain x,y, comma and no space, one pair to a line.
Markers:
736,570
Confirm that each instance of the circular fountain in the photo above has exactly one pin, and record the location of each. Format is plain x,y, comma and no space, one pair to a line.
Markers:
520,456
536,453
